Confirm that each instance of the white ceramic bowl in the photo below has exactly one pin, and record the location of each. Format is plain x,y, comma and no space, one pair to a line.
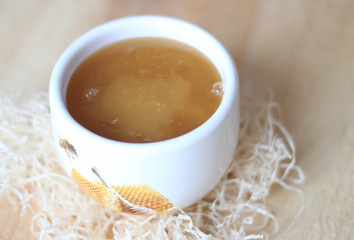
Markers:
158,176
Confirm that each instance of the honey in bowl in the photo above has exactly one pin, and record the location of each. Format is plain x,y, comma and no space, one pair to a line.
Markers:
144,90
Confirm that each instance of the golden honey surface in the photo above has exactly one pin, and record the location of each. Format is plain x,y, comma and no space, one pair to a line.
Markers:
144,90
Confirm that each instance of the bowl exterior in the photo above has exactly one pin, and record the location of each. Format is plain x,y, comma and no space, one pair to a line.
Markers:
150,177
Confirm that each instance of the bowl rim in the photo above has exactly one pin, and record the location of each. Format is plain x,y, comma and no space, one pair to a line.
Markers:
230,95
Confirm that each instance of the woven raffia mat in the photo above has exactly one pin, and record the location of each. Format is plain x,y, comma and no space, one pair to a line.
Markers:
32,179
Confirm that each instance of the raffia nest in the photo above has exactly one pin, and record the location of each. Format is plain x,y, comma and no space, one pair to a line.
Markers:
32,179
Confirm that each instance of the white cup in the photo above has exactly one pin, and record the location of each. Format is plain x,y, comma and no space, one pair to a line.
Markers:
152,177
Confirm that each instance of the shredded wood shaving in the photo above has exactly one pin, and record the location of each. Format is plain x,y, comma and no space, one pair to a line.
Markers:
32,179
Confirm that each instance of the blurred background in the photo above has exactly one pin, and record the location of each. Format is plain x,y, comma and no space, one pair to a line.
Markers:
301,51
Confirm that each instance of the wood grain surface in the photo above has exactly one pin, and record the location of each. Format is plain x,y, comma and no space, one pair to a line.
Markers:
303,51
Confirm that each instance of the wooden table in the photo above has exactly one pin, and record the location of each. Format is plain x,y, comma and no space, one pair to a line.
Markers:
302,50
